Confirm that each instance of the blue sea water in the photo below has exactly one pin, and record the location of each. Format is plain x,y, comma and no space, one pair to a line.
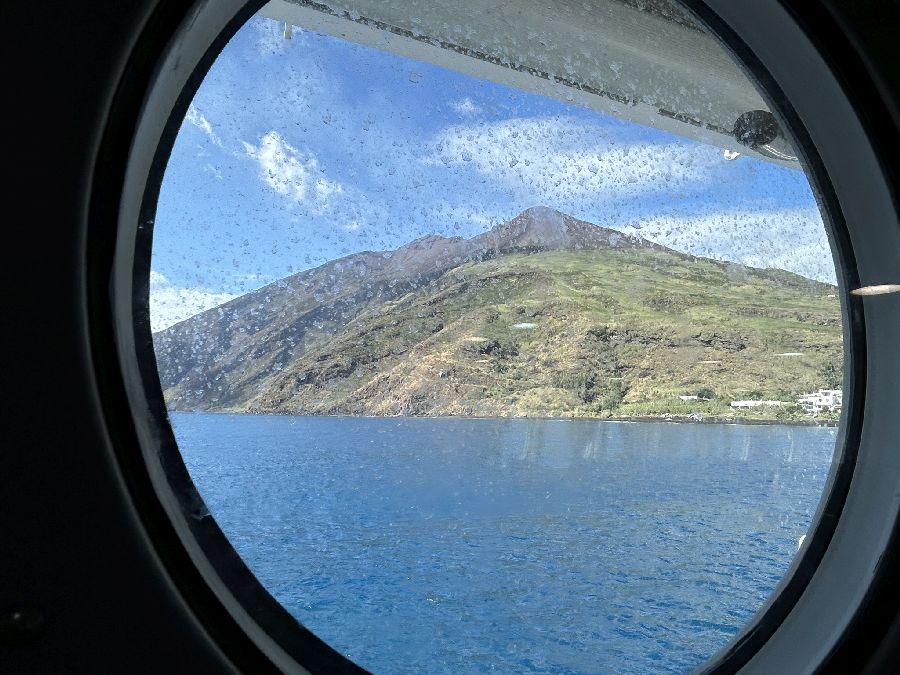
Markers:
417,545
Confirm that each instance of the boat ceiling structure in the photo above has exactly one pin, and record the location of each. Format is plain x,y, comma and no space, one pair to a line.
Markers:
644,61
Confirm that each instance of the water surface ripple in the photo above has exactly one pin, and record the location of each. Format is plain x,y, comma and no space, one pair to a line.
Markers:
481,545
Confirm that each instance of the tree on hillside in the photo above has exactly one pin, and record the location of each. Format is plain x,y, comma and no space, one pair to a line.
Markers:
831,375
787,412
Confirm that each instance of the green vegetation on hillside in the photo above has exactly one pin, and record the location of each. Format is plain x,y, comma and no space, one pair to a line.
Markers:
600,333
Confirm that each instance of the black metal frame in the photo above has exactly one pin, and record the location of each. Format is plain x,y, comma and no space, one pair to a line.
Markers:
256,632
769,617
165,562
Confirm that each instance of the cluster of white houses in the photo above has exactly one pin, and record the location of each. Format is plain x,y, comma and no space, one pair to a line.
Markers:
822,400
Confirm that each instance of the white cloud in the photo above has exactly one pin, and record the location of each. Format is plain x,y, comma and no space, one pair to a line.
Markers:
170,304
195,117
566,161
293,173
465,107
789,239
611,175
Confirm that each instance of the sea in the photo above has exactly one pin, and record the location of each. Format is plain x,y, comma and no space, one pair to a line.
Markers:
464,545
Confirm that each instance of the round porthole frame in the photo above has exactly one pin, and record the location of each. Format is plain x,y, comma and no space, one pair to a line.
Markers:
803,627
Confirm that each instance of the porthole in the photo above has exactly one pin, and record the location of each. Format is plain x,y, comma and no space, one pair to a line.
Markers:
508,331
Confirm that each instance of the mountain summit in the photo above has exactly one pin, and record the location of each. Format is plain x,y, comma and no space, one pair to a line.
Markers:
541,228
538,228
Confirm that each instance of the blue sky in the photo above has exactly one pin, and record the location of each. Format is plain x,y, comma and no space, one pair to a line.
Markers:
298,151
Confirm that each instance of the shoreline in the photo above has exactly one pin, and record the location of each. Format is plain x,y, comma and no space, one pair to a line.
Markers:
678,419
645,419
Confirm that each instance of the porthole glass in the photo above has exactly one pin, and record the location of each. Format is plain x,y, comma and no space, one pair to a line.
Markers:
498,341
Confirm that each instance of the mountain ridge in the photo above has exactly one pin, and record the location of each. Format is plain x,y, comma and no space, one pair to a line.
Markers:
519,233
325,340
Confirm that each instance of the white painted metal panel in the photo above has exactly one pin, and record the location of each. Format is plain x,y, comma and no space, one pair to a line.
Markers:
654,68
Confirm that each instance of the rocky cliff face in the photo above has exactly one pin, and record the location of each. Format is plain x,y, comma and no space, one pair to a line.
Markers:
543,314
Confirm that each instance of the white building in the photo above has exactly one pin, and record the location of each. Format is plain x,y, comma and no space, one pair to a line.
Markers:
822,400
